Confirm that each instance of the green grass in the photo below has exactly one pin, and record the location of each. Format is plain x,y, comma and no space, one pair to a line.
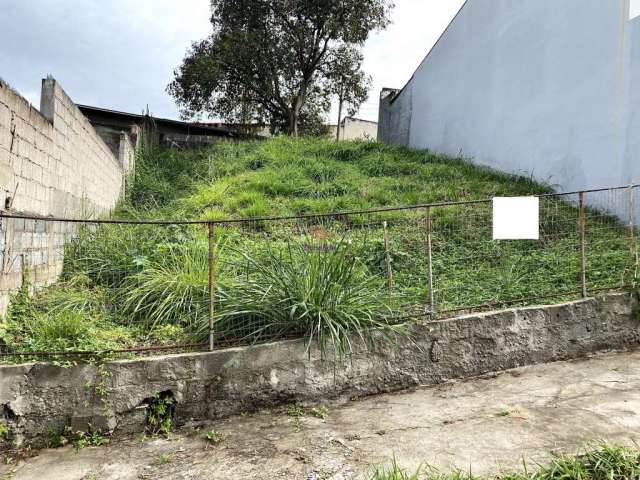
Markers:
323,278
326,296
394,472
604,462
286,176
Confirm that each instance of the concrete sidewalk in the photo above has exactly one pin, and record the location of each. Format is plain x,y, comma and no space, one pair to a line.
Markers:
488,424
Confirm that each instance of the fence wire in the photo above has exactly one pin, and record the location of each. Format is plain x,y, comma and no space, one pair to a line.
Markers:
121,288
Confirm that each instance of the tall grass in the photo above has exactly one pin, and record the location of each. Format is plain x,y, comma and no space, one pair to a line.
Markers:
174,291
394,472
69,317
153,280
295,176
328,295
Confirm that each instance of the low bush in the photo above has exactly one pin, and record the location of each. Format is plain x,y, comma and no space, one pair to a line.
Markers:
173,291
327,295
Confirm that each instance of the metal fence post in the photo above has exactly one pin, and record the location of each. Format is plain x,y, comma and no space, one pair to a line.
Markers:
387,256
583,259
429,227
632,235
212,280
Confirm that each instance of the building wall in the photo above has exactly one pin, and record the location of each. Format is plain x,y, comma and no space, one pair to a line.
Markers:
354,129
394,119
530,87
357,129
52,163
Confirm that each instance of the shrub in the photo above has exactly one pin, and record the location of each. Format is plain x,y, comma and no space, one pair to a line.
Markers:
325,293
173,291
160,413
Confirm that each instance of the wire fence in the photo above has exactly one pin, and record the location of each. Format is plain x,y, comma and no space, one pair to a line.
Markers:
151,286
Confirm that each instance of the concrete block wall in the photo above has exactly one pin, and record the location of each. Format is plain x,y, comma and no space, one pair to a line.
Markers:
52,163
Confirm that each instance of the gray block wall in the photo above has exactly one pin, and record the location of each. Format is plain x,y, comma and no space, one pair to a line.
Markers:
52,163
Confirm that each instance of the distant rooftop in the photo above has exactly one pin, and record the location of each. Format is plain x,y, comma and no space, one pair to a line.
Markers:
100,115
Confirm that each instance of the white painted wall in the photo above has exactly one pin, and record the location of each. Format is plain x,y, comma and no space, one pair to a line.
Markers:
549,88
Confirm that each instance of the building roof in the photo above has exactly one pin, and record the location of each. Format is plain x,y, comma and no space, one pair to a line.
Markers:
191,128
358,120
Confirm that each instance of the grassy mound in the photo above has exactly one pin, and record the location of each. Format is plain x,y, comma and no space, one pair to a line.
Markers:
324,278
286,176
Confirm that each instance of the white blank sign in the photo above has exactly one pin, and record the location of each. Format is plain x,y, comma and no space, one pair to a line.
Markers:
516,218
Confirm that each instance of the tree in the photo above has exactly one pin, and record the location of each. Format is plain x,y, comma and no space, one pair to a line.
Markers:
347,81
274,56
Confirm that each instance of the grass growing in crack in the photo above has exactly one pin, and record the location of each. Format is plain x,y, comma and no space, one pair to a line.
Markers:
61,436
320,412
393,472
296,412
214,437
81,440
5,432
165,458
602,462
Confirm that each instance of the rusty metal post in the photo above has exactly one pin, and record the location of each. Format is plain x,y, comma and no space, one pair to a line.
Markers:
632,235
387,257
212,280
429,227
583,258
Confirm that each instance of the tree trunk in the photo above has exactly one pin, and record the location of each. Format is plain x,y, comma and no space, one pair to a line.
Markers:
339,118
294,116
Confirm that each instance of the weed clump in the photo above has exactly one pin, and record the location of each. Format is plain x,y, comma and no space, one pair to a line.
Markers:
160,413
328,296
214,437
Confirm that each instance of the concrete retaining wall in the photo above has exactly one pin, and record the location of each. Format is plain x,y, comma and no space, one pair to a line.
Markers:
52,163
35,397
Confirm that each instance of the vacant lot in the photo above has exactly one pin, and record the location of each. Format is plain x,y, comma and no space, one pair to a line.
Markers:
126,286
487,425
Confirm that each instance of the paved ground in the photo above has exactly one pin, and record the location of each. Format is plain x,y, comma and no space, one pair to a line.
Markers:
489,423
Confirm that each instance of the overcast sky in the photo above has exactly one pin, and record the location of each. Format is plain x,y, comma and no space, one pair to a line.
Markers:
120,54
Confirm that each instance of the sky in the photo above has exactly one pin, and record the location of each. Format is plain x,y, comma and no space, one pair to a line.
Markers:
120,54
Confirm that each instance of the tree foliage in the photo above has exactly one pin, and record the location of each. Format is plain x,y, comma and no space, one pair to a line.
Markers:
271,60
347,82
